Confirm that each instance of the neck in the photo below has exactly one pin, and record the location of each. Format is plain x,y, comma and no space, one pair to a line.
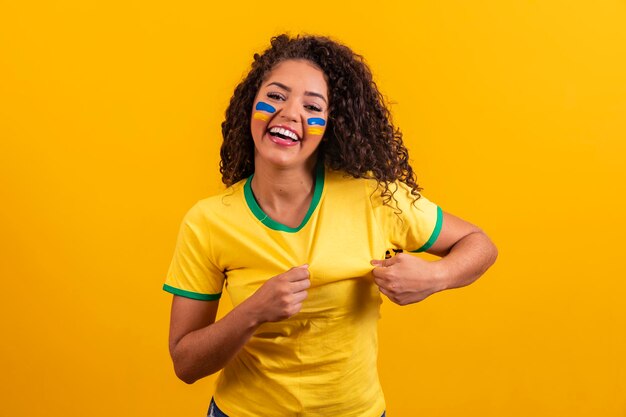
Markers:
279,188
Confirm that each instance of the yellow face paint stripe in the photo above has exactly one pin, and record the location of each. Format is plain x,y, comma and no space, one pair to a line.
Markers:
261,116
315,131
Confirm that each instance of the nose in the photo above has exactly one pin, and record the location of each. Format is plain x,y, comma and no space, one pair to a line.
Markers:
289,111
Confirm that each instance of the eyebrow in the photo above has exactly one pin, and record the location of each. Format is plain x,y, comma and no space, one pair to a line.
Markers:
306,93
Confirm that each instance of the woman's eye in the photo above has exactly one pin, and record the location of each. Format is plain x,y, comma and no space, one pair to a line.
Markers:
275,96
313,107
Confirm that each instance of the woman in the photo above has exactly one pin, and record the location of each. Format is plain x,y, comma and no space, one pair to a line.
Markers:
319,189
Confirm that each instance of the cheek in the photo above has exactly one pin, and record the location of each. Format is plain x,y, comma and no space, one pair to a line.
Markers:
261,114
315,131
258,127
316,126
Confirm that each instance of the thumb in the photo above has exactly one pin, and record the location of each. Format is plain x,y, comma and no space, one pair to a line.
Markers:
384,263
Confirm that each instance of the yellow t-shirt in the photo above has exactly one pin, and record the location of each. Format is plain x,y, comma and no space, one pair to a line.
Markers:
321,361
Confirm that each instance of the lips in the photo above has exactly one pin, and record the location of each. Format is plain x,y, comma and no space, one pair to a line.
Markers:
283,133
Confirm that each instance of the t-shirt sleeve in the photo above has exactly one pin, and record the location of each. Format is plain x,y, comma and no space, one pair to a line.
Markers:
411,226
192,272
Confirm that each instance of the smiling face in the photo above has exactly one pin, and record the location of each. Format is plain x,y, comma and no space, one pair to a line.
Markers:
289,114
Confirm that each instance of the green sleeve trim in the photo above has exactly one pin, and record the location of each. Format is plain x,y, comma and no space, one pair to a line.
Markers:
193,295
433,237
273,224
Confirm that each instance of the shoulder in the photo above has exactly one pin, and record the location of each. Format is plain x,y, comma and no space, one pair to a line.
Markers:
343,181
343,188
205,209
340,182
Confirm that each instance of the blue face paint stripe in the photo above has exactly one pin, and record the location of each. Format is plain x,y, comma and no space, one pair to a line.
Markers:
264,107
316,121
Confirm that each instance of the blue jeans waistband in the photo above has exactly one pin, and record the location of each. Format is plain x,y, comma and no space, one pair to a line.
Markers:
214,411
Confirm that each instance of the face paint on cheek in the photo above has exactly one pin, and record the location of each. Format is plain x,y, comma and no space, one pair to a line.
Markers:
263,107
316,126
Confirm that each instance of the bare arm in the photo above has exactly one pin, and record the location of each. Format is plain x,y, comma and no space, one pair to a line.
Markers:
201,346
466,251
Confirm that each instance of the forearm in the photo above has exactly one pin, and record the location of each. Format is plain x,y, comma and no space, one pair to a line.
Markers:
467,260
207,350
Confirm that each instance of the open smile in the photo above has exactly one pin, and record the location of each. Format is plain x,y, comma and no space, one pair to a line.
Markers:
284,133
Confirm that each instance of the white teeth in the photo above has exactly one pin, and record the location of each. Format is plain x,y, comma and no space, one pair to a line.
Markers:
284,132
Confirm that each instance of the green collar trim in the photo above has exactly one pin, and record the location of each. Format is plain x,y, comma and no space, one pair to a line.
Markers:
273,224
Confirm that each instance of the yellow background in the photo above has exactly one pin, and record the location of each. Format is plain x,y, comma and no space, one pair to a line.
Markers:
515,116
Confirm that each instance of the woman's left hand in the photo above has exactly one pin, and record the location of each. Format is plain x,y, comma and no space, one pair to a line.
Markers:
466,253
406,279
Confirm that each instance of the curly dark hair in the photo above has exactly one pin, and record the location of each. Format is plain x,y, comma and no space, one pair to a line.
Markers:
360,138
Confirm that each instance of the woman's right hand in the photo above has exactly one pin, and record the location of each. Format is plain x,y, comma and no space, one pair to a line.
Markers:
200,346
281,296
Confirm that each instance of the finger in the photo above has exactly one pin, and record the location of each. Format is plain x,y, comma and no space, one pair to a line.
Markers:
391,261
299,268
380,272
394,298
380,283
387,285
296,308
300,285
298,273
385,292
299,297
